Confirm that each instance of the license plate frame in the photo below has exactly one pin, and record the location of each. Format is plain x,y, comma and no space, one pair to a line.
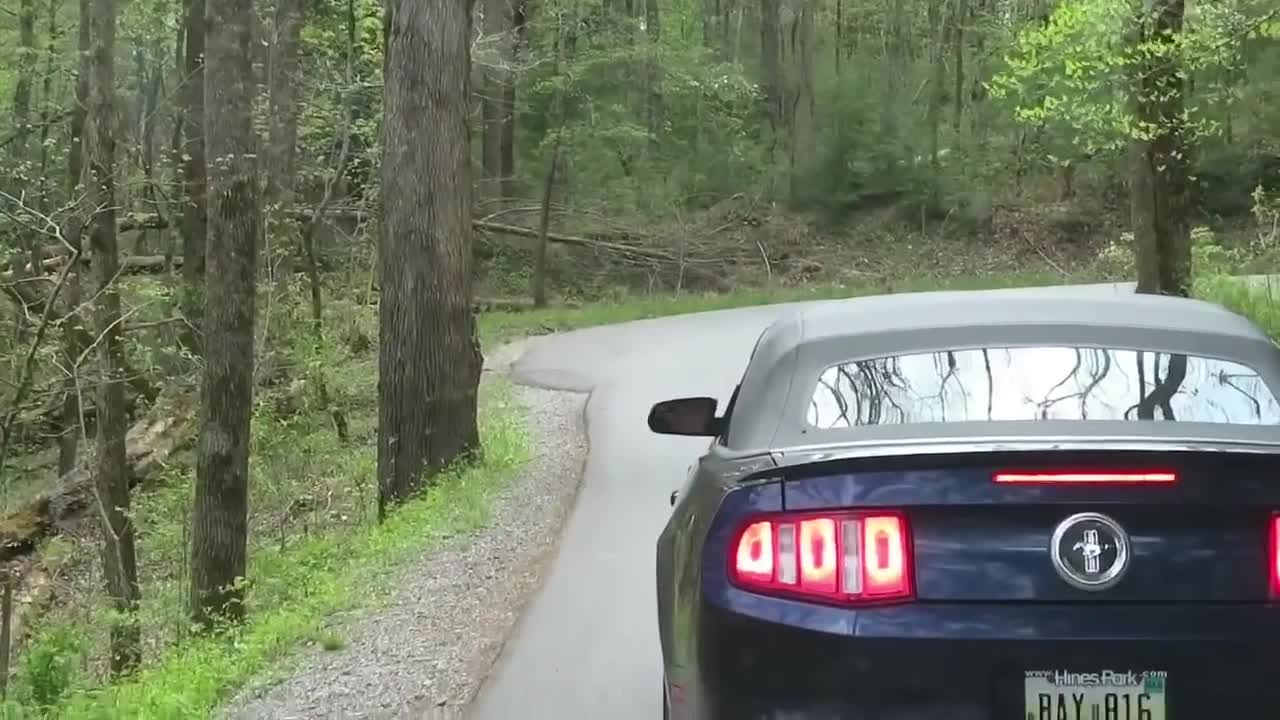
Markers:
1126,694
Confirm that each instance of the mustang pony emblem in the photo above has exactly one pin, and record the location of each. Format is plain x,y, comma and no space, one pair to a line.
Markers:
1090,551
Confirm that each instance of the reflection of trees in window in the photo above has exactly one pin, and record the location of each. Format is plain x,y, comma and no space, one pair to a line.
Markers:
991,383
1229,380
935,387
1099,363
947,376
842,406
1162,390
874,384
863,392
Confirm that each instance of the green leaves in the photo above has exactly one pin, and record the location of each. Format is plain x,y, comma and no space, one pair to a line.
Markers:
1078,75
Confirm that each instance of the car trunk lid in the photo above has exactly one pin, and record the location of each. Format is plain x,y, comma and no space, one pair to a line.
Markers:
1193,527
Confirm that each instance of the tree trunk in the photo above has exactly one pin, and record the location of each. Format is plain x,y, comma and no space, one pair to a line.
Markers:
26,71
282,81
1160,164
839,44
111,480
430,358
544,226
195,207
497,26
771,60
895,58
709,16
653,75
507,149
149,81
48,103
938,70
220,516
804,134
959,11
75,337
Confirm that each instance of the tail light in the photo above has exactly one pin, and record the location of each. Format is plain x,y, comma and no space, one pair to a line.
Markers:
1090,477
848,557
1273,555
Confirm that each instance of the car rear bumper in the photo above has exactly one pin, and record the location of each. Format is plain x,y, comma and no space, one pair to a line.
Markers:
968,662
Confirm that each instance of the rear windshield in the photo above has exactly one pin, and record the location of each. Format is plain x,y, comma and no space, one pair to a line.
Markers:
1040,383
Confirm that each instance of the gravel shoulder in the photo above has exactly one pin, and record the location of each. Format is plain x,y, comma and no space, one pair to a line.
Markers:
425,652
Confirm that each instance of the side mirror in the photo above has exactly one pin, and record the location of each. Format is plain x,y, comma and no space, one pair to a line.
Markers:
686,416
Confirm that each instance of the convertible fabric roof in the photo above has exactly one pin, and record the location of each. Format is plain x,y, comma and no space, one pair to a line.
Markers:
809,338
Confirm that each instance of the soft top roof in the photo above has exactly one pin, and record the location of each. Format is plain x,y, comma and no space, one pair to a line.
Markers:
809,338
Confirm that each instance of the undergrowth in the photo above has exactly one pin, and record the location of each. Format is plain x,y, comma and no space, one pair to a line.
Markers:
315,547
294,589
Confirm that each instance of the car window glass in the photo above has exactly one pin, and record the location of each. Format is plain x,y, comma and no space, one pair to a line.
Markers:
1040,383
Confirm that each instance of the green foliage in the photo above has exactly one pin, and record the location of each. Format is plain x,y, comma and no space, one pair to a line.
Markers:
862,164
1076,74
50,665
1210,257
1259,304
708,140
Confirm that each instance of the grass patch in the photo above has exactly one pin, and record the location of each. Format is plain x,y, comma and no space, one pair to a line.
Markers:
295,586
1259,303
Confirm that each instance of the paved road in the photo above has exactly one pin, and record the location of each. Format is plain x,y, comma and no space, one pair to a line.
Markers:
587,645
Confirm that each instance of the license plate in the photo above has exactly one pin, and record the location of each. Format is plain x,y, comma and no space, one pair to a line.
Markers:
1104,695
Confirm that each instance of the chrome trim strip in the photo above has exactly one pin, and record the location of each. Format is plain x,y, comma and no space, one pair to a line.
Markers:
853,450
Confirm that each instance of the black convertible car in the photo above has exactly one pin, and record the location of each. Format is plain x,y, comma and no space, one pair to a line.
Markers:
1039,505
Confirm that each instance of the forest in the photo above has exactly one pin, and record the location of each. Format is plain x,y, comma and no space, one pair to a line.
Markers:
239,239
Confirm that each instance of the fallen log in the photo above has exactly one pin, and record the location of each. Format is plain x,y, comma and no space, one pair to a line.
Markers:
150,443
520,231
150,263
482,305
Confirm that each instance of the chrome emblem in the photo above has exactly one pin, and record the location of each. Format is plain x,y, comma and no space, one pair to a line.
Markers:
1090,551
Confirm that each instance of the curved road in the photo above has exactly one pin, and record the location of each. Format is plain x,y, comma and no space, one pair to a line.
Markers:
587,646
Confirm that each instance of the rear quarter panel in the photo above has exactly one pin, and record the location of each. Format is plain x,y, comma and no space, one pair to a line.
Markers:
680,551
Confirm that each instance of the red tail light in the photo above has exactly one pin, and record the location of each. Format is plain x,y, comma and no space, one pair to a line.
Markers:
847,557
1091,477
1273,555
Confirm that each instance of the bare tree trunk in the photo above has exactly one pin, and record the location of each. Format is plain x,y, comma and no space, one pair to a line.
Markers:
839,45
282,132
497,26
959,11
429,353
75,335
544,226
149,79
771,60
728,8
1160,165
895,58
221,512
804,134
938,70
111,481
48,105
653,75
195,207
26,71
709,16
507,150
